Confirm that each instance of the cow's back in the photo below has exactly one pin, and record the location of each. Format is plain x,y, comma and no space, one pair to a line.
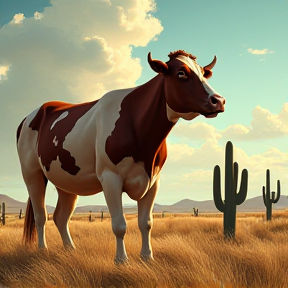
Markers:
63,139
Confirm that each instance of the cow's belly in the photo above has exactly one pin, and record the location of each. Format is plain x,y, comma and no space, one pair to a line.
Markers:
84,183
136,182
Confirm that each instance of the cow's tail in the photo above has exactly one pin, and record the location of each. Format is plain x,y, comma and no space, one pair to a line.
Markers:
19,130
29,232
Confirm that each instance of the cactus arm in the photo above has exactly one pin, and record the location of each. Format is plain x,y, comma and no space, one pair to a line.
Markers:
278,193
217,189
235,176
242,194
264,195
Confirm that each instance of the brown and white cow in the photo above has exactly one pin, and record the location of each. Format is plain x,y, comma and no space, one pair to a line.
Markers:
115,144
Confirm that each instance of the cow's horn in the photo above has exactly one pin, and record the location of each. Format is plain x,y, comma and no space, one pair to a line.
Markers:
157,65
150,60
211,65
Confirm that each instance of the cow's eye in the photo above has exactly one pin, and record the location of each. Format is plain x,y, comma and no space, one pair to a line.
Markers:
181,74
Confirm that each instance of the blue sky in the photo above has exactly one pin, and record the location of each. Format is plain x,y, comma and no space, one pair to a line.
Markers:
41,60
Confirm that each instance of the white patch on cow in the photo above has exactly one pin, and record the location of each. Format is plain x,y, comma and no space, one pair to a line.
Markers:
197,70
174,116
192,65
208,88
55,141
61,117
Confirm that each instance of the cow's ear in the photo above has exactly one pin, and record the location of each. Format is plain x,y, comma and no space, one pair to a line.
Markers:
207,73
157,65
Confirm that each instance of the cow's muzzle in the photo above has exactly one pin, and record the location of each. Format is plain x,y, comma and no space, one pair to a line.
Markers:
217,103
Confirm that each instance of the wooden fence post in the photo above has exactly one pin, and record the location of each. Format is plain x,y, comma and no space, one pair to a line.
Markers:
3,213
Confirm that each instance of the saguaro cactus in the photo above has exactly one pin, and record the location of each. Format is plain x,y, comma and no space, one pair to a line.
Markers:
232,198
3,213
269,200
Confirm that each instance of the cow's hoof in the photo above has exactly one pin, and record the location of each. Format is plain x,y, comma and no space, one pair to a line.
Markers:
69,247
147,258
120,261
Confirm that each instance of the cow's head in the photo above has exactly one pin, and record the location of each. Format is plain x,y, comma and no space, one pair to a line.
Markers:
187,91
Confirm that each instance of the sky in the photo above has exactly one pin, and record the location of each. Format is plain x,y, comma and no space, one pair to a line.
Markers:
75,51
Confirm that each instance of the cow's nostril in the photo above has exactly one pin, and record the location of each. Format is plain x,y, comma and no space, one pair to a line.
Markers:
214,100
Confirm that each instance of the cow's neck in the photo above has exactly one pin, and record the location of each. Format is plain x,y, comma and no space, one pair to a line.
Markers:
142,127
152,124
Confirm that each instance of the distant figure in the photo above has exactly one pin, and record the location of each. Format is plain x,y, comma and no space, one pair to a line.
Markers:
196,211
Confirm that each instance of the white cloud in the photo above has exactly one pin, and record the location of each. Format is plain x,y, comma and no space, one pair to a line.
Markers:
3,72
38,15
192,130
18,18
185,156
179,151
259,52
264,125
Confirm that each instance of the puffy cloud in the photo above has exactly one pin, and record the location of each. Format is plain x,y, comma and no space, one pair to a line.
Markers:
3,72
38,15
179,151
18,18
259,52
185,156
264,125
196,130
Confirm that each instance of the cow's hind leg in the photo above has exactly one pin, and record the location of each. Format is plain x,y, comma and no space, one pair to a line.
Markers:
145,220
36,185
112,188
62,214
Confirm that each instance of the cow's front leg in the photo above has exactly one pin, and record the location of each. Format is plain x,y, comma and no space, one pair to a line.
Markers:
145,220
112,188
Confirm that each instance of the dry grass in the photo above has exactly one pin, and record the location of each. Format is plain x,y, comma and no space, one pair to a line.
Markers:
188,251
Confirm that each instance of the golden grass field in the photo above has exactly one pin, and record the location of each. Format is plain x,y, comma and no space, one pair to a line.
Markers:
189,252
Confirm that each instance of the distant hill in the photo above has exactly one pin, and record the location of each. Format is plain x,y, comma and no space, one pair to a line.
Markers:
184,206
13,206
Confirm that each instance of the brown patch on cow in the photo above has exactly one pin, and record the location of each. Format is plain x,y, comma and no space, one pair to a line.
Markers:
181,52
52,133
141,130
19,129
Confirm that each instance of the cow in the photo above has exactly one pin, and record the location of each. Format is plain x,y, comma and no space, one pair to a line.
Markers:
114,144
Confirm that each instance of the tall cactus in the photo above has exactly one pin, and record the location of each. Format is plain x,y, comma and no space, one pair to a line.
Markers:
232,198
269,200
